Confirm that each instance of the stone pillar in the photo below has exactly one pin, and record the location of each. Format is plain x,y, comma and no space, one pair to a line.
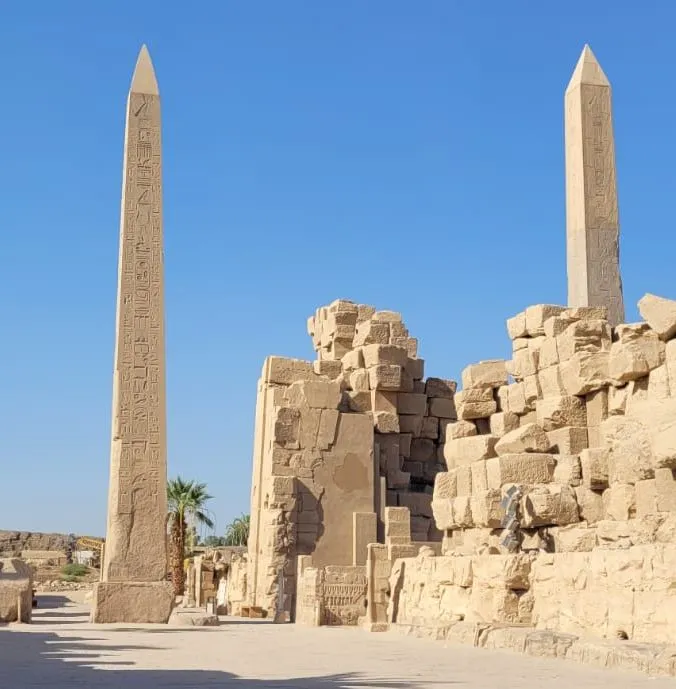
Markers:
133,585
592,223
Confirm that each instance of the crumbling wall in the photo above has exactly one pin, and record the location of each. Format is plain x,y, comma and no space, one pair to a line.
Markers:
559,504
340,439
16,591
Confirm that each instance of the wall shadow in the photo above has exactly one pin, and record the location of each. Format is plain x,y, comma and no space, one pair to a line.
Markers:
41,659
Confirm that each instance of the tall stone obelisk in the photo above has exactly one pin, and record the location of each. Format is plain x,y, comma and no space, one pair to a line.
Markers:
592,222
133,586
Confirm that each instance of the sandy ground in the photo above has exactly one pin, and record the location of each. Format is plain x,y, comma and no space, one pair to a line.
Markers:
61,650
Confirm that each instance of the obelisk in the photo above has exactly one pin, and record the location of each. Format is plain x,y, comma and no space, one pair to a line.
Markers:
133,586
592,221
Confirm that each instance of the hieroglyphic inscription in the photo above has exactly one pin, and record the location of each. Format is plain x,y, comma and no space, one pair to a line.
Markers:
140,416
591,200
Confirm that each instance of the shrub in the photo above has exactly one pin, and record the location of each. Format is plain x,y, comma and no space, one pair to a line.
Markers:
74,570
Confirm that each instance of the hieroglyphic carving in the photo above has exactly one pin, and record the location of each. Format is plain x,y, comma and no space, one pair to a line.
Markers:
140,364
592,222
136,548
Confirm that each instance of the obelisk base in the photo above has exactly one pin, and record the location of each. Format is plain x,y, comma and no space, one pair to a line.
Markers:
140,602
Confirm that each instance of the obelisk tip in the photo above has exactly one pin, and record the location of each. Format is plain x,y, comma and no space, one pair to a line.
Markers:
144,80
588,71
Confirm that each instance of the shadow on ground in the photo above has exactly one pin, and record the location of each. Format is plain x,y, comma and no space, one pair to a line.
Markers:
45,659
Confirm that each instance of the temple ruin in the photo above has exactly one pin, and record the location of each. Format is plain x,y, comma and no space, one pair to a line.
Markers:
534,508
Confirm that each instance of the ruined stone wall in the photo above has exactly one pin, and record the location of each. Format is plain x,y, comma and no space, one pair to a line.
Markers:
340,439
12,543
559,504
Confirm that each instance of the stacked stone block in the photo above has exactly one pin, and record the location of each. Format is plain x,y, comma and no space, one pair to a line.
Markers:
580,426
373,357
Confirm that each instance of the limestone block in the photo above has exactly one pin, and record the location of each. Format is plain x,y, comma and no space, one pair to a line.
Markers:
574,538
486,509
596,404
637,391
550,382
422,450
528,417
659,386
411,423
660,314
359,380
665,488
385,422
503,422
286,429
439,387
462,512
328,425
460,429
405,440
502,396
568,470
397,525
479,476
16,591
368,332
377,354
445,486
548,353
550,504
585,372
358,401
594,463
384,401
526,468
619,502
537,315
617,400
520,343
282,371
385,377
485,374
442,407
494,605
532,391
583,336
386,317
586,313
316,394
590,504
524,362
629,450
328,369
516,326
416,369
470,449
132,601
570,440
475,403
560,411
529,438
353,360
463,479
517,398
430,428
502,571
670,356
635,355
646,498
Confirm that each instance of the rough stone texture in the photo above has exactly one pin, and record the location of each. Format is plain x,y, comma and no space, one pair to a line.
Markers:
592,223
528,438
135,561
660,314
16,590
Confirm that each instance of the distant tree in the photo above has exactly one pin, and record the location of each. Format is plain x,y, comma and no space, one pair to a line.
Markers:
214,541
186,503
237,532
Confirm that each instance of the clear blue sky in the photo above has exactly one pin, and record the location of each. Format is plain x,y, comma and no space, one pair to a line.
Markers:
403,154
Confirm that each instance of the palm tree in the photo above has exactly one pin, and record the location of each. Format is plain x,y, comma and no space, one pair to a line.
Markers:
186,502
237,532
